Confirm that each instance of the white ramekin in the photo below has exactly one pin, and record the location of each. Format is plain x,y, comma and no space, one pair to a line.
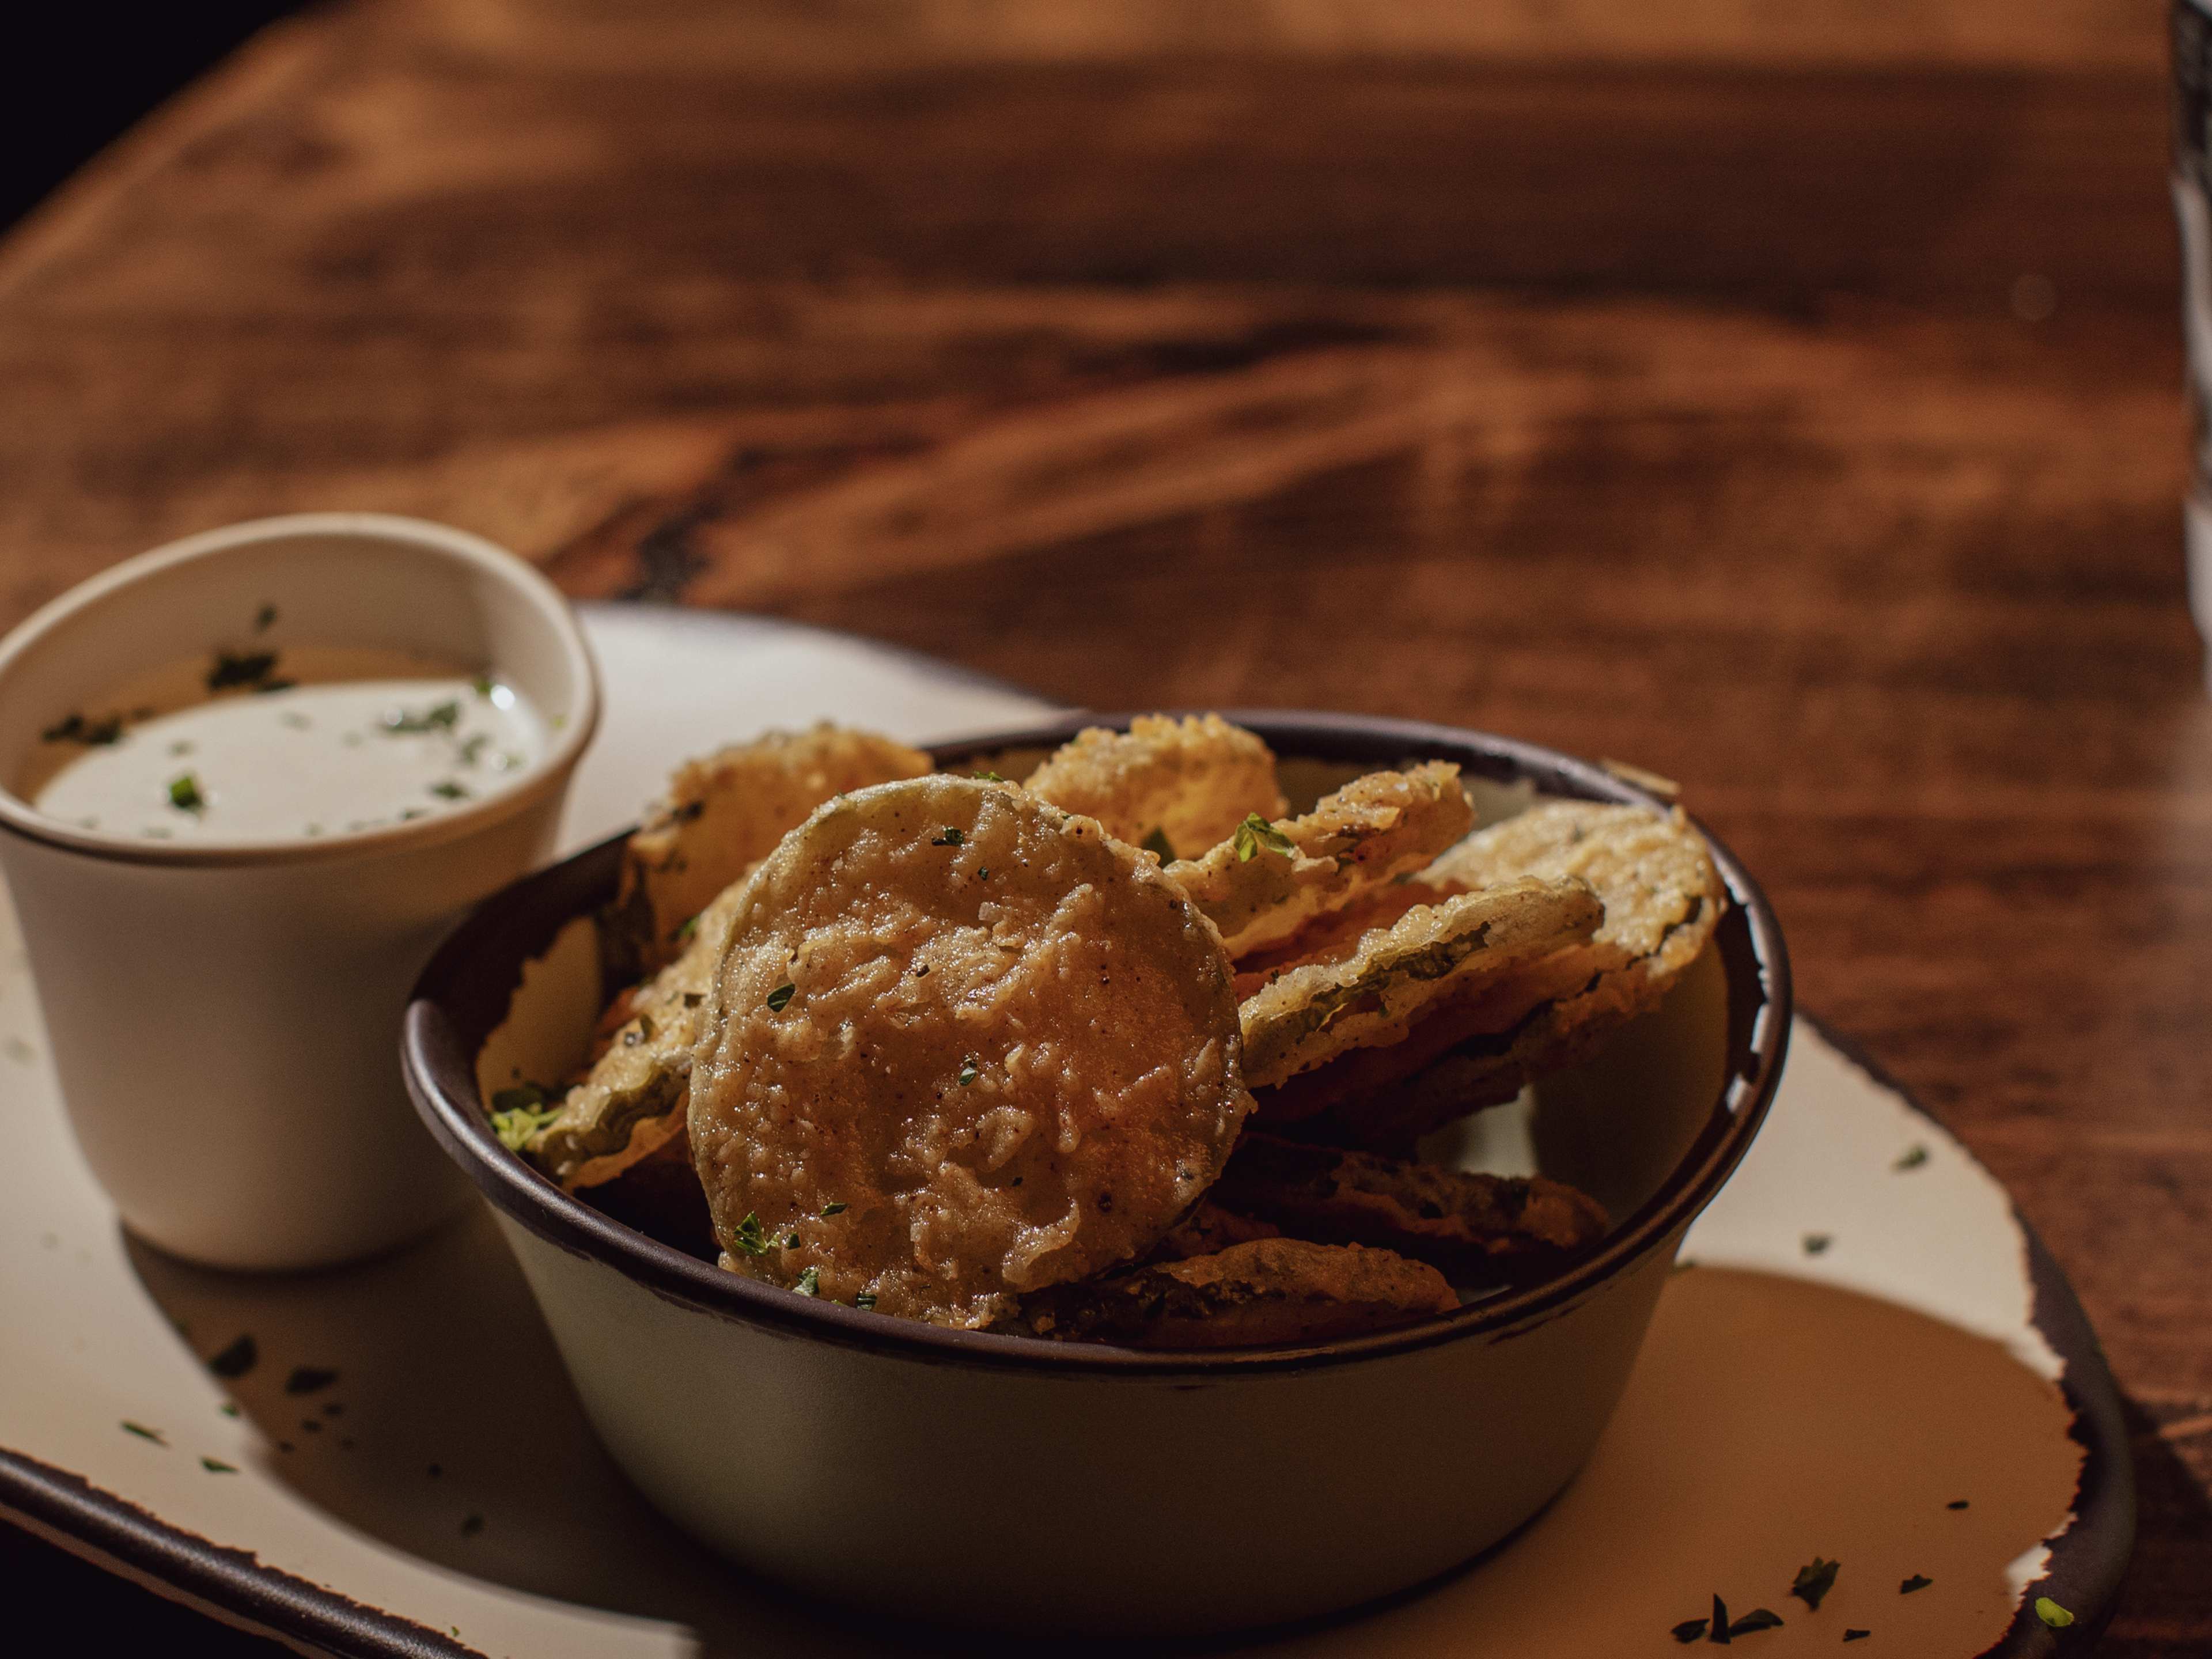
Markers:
222,1015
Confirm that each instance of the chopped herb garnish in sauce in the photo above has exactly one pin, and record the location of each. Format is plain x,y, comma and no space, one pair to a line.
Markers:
1956,1504
1856,1635
447,789
1159,846
74,728
237,1359
951,837
440,717
239,668
482,685
810,1282
2051,1614
1814,1580
1757,1619
185,794
865,1300
216,1466
834,1207
1816,1243
990,777
1918,1582
968,1073
1255,832
1719,1633
518,1114
779,997
143,1432
1689,1631
1913,1159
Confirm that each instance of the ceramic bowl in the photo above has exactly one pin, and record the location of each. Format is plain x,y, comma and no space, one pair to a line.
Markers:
220,1011
995,1480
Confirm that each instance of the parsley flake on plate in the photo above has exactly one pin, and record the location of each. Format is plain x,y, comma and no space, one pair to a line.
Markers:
1757,1618
1815,1580
239,668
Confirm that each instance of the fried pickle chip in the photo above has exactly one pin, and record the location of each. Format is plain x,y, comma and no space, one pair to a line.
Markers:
1188,783
1307,1014
961,1046
1663,899
725,812
632,1102
1475,1228
1260,886
1268,1292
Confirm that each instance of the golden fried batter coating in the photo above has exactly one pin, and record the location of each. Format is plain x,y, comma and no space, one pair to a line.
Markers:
724,813
1269,1292
1191,781
1663,899
1262,888
632,1102
1209,1228
962,1046
1476,1228
1307,1014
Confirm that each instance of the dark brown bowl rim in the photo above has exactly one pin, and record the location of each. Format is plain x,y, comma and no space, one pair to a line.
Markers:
520,922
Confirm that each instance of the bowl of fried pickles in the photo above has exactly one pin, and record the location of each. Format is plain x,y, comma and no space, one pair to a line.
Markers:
1152,1175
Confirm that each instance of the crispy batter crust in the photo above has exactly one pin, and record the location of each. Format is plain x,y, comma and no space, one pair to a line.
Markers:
724,813
1374,828
1307,1015
1001,1039
1663,899
632,1101
1209,1228
1268,1292
1475,1228
1191,781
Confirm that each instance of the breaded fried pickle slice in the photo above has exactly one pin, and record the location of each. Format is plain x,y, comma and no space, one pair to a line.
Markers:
962,1046
1269,1292
1307,1015
1663,899
725,812
1189,781
1475,1228
632,1102
1264,882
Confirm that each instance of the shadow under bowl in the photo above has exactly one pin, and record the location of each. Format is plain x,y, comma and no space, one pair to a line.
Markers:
988,1480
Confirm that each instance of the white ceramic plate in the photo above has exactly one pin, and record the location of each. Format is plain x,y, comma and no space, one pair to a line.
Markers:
1870,1339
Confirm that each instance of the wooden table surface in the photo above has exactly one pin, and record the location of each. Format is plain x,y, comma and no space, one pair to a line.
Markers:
1791,407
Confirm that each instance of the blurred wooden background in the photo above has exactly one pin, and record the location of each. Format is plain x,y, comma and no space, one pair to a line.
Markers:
1791,406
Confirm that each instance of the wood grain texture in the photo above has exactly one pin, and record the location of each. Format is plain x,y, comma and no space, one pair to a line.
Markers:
1653,382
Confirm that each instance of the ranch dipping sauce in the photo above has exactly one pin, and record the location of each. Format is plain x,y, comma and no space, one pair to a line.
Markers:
283,743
